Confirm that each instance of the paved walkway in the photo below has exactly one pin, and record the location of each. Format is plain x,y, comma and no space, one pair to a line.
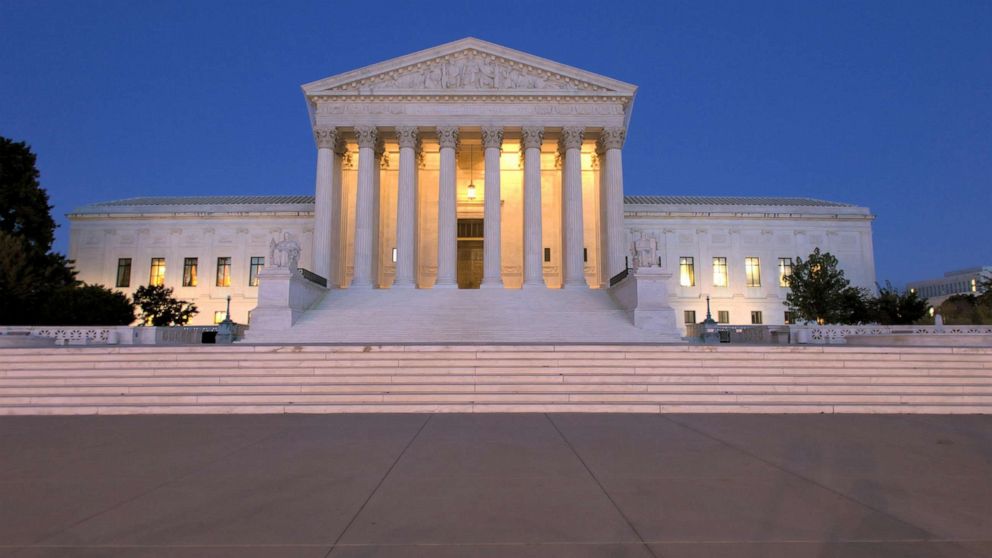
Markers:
707,486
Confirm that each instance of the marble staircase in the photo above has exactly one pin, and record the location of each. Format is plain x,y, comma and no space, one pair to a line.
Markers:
647,378
536,315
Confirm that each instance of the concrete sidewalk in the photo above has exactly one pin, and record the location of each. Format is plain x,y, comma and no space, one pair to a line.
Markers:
437,486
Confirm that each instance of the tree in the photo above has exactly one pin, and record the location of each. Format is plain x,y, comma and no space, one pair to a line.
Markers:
817,290
857,306
893,307
29,271
159,308
87,305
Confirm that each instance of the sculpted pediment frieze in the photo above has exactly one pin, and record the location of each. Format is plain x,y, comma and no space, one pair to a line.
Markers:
469,71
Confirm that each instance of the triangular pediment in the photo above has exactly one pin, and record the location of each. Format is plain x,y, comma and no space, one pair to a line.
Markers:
466,67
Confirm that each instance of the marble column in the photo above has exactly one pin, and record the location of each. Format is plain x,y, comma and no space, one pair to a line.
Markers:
531,140
611,168
380,163
570,145
447,217
406,197
364,206
324,206
492,266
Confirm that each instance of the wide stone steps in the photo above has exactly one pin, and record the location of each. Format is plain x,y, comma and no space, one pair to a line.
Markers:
493,378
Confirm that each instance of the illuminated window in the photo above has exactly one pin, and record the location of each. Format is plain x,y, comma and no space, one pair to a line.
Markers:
189,272
224,272
219,316
723,316
394,255
974,285
123,272
790,317
784,271
689,316
752,270
719,272
687,272
756,317
157,276
257,263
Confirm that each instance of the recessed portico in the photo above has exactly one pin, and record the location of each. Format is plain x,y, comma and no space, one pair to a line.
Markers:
469,130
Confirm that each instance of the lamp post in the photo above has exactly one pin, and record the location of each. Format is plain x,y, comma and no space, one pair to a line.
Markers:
710,333
225,329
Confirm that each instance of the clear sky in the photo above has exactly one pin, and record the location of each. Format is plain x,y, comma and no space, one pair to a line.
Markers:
887,105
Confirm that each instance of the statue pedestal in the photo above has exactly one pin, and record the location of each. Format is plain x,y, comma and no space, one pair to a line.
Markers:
283,296
644,294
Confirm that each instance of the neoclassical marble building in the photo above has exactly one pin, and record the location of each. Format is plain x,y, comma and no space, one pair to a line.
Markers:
470,165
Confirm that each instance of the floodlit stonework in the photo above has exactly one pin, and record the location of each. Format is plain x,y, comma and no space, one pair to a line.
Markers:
475,166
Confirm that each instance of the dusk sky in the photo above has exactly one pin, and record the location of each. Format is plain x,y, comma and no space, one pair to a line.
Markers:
887,105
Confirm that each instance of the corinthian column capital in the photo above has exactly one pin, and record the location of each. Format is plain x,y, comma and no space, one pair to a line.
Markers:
326,138
492,136
368,136
611,138
571,138
533,136
447,136
406,136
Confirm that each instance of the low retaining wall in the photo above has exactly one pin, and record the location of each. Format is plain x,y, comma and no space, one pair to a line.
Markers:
32,336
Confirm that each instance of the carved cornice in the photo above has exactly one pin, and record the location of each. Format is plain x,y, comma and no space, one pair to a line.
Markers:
447,136
611,138
326,138
407,136
368,136
532,137
571,138
492,136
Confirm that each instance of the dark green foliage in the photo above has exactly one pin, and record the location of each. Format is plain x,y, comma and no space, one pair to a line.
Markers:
159,308
87,305
893,307
857,306
24,209
966,310
817,290
29,272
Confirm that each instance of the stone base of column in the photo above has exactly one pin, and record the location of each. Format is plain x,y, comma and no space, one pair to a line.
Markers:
403,285
491,284
534,285
576,283
445,285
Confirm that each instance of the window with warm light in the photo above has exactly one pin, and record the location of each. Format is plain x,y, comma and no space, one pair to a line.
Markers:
189,272
224,272
720,272
219,316
790,317
257,263
752,271
156,276
784,271
123,273
687,271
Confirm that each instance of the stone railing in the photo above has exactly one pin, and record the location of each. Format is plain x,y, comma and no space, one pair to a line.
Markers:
754,334
118,335
836,334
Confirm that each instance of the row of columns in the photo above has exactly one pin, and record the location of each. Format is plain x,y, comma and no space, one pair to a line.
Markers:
326,245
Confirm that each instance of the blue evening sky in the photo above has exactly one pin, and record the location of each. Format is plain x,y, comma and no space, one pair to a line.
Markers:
887,105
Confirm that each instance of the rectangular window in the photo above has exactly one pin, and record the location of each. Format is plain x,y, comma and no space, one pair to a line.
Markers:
189,271
123,272
585,254
394,255
224,272
547,254
219,316
790,318
723,316
784,271
687,272
719,272
690,316
157,275
257,263
756,317
752,270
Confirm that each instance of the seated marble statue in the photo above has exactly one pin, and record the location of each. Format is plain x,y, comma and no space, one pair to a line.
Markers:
285,253
645,251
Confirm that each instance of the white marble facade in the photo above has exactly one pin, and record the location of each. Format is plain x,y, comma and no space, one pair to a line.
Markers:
471,132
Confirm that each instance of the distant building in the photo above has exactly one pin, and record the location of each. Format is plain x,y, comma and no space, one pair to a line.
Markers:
958,282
